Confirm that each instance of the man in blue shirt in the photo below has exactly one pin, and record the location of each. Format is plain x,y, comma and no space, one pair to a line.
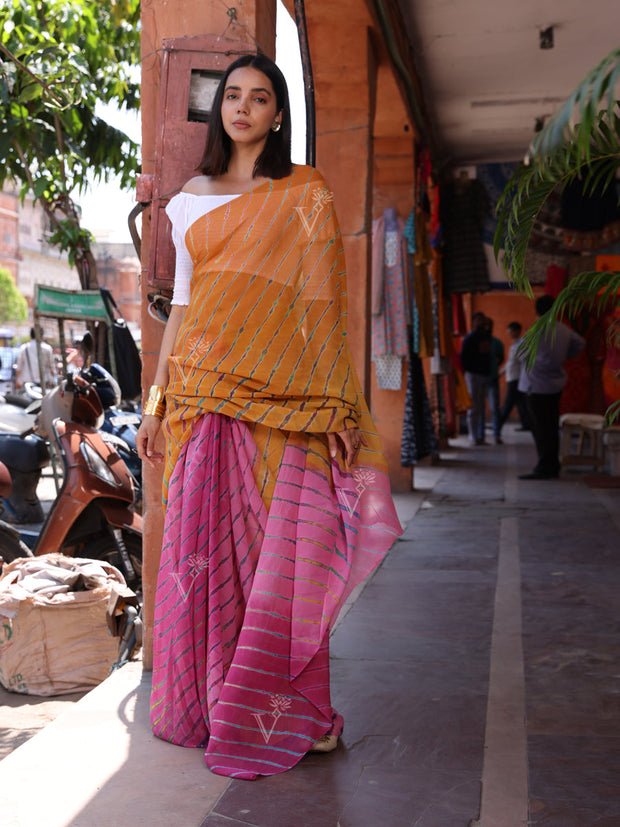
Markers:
543,384
476,365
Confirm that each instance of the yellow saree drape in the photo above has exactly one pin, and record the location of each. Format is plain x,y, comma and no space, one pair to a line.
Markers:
264,336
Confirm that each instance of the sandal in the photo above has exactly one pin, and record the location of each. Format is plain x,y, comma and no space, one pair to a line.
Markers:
326,743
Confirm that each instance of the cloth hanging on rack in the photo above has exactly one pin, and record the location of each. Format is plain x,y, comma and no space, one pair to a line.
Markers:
464,208
556,280
423,304
389,326
376,273
419,439
459,325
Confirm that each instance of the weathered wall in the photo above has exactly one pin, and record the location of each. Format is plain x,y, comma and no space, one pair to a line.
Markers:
253,22
393,187
365,149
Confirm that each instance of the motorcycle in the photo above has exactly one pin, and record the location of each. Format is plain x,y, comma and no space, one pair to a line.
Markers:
11,544
119,427
15,414
93,514
24,456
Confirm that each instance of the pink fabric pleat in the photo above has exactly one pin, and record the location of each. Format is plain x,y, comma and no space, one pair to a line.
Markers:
245,597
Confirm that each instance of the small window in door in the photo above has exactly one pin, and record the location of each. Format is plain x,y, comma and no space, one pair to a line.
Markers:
202,88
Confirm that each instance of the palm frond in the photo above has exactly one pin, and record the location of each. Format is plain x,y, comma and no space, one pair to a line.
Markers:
596,292
530,187
596,93
612,414
593,292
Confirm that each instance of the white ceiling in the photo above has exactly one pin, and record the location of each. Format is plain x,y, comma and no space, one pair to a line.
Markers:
484,76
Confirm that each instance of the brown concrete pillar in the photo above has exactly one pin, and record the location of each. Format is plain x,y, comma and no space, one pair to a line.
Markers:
248,25
393,186
365,149
343,67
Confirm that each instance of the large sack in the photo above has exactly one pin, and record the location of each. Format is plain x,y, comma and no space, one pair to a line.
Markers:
54,637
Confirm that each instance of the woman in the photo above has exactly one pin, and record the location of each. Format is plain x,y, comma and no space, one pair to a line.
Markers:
278,502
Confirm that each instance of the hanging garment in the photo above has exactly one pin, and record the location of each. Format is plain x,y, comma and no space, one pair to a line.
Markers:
464,208
422,261
389,327
419,439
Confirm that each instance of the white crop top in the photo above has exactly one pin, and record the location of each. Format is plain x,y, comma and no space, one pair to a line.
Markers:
183,209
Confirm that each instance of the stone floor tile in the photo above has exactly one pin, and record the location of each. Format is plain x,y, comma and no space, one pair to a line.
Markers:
574,775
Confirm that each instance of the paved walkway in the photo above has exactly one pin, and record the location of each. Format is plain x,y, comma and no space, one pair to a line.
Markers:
478,674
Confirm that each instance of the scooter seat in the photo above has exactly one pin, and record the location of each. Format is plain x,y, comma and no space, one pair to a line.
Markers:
18,399
23,454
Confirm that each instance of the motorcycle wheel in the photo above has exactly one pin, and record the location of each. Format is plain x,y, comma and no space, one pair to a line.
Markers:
103,548
11,547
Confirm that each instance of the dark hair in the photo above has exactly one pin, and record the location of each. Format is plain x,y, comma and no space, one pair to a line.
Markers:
516,327
275,159
543,304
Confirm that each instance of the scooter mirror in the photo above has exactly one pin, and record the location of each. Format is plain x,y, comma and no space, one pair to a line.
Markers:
87,408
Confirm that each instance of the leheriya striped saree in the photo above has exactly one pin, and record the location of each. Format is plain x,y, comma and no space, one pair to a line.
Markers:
265,533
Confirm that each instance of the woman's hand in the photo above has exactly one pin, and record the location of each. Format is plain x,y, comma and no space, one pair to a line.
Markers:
145,440
351,440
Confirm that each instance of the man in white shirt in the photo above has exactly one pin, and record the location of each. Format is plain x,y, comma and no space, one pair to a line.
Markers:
28,363
512,371
543,383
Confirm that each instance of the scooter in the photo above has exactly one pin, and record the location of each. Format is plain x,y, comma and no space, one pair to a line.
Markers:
119,427
11,544
15,416
93,514
25,457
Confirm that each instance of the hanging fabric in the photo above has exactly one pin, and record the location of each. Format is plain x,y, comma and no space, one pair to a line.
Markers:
389,296
419,439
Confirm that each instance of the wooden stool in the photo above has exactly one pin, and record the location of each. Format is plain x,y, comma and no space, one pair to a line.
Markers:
581,441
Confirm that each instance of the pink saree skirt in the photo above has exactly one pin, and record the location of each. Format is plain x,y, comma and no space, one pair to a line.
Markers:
258,557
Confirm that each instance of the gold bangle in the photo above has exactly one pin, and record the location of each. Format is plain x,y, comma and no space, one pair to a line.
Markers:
153,408
156,393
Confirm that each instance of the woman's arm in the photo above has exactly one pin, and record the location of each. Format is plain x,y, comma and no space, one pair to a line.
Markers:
151,425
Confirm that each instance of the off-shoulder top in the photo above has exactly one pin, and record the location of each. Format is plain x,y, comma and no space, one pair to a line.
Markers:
183,209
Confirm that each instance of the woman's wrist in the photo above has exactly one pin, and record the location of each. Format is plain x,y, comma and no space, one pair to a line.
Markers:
156,393
155,404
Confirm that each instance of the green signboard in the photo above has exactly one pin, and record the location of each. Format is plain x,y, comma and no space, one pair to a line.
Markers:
57,303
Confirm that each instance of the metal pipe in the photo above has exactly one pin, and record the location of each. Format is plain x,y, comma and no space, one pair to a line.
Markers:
306,64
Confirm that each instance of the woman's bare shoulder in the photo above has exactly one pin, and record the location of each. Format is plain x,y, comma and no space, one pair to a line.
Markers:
199,185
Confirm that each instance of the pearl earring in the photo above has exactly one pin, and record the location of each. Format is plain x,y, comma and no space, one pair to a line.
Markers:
276,126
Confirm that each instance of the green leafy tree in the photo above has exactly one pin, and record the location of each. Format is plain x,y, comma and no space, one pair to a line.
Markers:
58,58
13,306
581,141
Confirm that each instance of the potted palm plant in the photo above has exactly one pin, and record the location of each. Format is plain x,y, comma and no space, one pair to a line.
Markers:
581,141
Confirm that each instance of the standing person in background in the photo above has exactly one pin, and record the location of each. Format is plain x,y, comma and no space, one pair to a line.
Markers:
28,363
497,357
543,383
277,494
476,365
512,371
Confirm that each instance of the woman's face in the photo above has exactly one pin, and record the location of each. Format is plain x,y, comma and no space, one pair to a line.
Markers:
249,106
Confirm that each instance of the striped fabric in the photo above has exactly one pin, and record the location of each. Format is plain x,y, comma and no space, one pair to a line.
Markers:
265,533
